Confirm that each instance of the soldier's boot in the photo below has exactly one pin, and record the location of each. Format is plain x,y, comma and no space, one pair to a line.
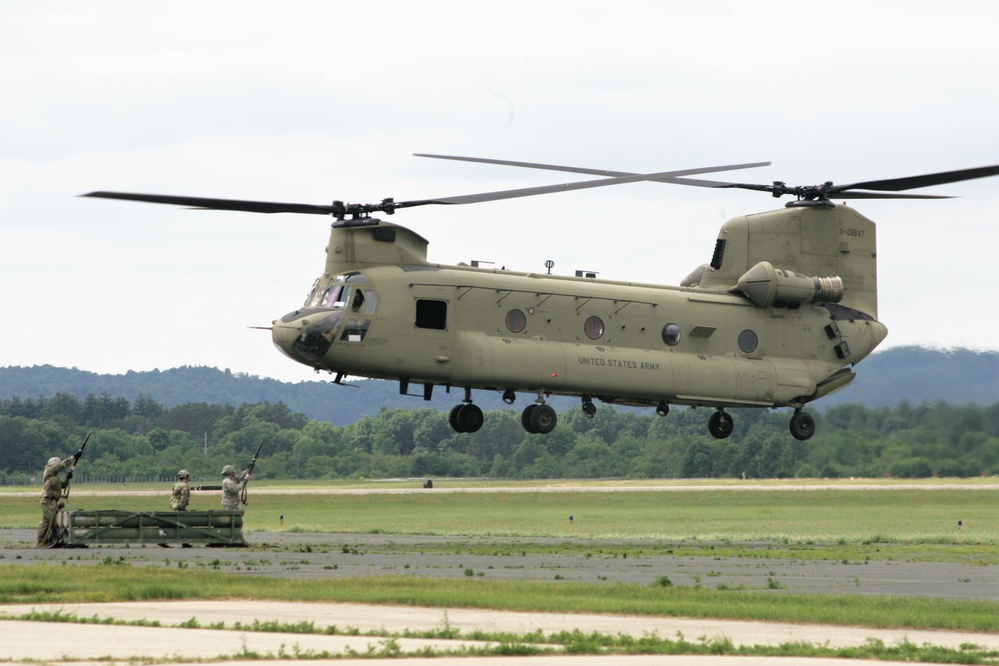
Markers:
43,529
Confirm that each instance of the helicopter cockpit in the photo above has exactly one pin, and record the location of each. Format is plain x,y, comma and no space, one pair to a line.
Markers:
342,292
344,305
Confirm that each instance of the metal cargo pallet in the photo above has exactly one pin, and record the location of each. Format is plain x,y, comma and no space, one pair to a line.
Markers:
78,529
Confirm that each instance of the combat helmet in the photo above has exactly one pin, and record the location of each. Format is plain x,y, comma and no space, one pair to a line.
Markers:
53,461
228,469
183,474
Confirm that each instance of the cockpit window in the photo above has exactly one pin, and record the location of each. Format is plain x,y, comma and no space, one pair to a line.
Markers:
357,301
339,292
370,300
335,296
312,292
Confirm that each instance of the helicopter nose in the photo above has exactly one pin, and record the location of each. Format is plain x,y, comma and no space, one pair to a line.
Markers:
879,333
283,335
306,337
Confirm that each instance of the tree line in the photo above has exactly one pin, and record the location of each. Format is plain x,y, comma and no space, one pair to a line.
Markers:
143,439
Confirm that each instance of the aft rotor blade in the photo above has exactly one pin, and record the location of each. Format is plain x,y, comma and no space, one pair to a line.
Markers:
913,182
882,195
620,179
219,204
890,184
672,177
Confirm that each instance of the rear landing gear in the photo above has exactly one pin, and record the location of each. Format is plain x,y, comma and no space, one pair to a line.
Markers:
802,425
720,425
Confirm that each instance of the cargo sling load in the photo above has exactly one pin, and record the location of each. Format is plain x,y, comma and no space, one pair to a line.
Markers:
79,529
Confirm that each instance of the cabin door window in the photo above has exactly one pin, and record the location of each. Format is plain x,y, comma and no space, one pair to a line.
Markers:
431,314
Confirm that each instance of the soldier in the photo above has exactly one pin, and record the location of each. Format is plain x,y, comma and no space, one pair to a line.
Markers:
181,492
231,488
52,486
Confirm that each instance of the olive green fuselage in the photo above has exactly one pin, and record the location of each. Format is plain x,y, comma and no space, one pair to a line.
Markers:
381,310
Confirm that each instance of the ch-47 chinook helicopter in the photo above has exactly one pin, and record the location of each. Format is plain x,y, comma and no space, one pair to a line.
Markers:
786,305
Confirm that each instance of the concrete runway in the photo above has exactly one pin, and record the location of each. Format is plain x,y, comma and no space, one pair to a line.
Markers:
82,643
315,554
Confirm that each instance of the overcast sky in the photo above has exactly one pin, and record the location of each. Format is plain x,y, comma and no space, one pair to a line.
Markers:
315,101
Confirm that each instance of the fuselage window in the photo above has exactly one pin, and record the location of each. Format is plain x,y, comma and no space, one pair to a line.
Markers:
593,327
748,341
671,334
516,320
431,314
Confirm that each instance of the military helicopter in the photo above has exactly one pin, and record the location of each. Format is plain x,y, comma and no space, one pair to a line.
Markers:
786,305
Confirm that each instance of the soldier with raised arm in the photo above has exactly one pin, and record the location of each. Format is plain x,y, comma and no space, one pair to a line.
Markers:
52,486
231,488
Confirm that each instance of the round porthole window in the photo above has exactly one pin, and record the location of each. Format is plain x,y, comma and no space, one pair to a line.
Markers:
748,341
593,327
516,320
671,334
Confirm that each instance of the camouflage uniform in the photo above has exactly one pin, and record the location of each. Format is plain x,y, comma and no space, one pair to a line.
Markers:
52,486
181,492
231,488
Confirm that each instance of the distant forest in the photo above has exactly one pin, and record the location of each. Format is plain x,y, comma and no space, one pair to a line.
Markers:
886,379
143,439
911,412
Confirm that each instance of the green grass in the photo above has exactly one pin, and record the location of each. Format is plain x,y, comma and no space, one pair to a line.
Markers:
892,514
50,584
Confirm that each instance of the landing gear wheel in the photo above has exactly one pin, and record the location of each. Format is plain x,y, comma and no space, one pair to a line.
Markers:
720,425
543,419
525,418
465,417
470,418
802,425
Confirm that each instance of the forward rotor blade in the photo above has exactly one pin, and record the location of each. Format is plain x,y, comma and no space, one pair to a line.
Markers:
389,206
218,204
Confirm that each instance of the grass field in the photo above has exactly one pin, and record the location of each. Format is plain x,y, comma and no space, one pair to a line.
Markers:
966,514
917,522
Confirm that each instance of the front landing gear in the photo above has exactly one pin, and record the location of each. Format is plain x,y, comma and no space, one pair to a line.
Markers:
802,425
466,417
539,419
721,425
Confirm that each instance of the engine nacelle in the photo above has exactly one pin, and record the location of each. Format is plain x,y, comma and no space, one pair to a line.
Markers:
766,285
